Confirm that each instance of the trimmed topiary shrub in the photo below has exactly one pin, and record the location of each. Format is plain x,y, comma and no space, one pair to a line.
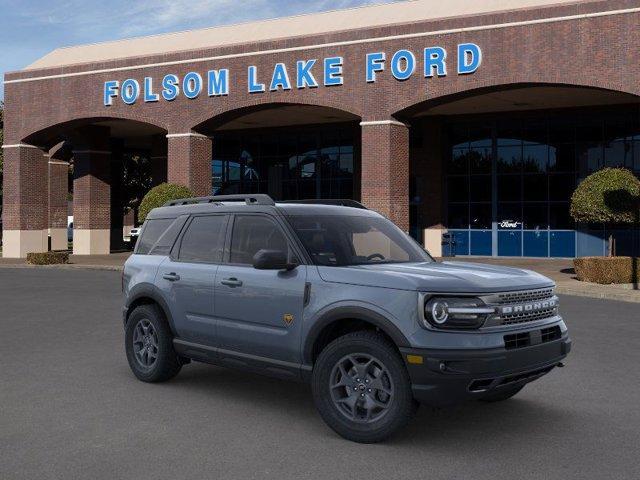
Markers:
158,196
610,195
607,270
48,258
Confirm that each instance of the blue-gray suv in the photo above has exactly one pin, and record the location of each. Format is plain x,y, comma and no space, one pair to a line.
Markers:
333,294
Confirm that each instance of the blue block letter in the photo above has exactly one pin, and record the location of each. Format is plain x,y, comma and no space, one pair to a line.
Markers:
170,87
218,82
400,71
435,57
192,85
280,78
304,77
254,86
333,71
149,96
110,92
130,91
469,58
375,63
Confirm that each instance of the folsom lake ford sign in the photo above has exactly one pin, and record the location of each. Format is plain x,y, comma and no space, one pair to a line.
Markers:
309,73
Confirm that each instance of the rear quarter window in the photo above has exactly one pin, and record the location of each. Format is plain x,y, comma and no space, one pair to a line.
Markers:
151,233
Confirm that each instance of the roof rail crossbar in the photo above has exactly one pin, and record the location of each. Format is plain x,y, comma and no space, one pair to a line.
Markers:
257,199
336,202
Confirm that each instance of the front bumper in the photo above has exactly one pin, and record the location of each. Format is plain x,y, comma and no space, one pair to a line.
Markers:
451,376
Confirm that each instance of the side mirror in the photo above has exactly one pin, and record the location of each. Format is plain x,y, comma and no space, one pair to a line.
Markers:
272,260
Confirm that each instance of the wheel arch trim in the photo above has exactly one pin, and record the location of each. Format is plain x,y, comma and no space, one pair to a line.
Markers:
350,313
147,290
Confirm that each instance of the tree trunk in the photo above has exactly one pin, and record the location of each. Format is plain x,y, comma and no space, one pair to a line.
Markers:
610,245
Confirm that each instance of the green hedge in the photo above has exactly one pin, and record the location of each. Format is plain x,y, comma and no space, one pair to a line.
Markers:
158,196
48,258
607,270
610,195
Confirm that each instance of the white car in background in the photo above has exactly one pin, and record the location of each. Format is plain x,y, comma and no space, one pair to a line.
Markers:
134,233
70,228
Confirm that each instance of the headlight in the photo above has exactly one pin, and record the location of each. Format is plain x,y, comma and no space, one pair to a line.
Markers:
452,312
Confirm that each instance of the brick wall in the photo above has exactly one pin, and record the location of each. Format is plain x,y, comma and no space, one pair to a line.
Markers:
594,52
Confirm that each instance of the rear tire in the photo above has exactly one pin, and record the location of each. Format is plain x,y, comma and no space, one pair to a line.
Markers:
361,387
501,395
149,345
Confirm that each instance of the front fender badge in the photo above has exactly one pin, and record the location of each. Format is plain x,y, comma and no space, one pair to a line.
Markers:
288,318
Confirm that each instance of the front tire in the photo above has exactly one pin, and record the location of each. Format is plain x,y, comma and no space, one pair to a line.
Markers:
149,345
361,387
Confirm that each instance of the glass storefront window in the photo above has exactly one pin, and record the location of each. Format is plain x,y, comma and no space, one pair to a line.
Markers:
287,163
535,160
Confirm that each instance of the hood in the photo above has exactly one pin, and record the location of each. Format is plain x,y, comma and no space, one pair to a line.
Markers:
441,277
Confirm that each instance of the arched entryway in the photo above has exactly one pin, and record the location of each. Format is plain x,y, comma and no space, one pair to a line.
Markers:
102,166
496,167
289,151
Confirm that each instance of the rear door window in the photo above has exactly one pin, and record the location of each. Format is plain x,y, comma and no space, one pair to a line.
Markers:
151,232
203,241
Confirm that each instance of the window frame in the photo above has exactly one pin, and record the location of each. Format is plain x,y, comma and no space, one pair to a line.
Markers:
294,248
177,246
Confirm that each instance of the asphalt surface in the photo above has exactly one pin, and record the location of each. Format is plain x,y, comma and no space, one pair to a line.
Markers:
70,408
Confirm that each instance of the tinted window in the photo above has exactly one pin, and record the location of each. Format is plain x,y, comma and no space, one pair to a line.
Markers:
151,232
346,240
204,240
167,239
254,233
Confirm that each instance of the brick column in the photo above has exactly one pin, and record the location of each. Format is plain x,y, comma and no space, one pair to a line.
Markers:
58,190
24,201
189,161
91,191
158,160
385,170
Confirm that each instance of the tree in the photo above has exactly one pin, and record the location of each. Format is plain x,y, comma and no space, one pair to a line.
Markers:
609,196
160,195
136,181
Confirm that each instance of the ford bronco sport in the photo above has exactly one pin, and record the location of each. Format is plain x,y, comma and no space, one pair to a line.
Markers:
334,294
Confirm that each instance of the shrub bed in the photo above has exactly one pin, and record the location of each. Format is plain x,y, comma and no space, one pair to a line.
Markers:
607,270
48,258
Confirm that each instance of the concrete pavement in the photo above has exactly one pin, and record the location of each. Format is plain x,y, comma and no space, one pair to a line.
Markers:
70,408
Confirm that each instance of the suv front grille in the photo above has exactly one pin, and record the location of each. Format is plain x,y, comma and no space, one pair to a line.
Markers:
514,308
515,318
525,296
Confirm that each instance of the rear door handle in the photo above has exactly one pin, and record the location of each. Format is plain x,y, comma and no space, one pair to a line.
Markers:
172,277
231,282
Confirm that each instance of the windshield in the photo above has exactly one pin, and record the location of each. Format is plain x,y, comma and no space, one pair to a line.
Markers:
341,240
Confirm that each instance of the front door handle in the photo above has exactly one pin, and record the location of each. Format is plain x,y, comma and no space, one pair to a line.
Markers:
172,277
231,282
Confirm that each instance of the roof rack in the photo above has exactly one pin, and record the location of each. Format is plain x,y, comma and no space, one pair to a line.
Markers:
257,199
336,202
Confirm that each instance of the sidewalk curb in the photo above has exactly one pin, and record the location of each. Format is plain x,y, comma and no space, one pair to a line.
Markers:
618,296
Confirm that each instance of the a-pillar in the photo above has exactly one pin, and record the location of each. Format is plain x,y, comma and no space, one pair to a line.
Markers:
92,193
24,201
189,161
58,191
385,169
158,160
